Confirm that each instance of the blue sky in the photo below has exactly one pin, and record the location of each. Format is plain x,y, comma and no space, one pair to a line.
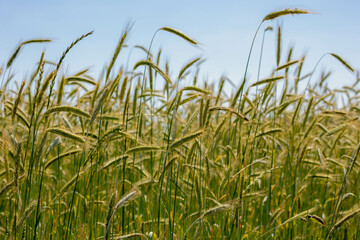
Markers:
224,28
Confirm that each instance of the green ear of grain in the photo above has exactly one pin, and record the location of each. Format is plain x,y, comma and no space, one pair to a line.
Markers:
229,110
186,138
117,51
74,110
286,65
179,34
142,149
347,65
16,52
80,79
344,219
187,66
156,68
267,80
65,133
336,129
286,11
100,103
113,161
196,89
51,161
271,131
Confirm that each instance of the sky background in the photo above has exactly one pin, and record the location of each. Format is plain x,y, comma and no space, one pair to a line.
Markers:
224,29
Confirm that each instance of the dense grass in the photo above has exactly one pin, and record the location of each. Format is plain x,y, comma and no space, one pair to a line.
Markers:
120,157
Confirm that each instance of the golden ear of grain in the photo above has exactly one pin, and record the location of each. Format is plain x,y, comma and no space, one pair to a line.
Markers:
179,34
286,11
231,110
157,69
347,65
74,110
267,80
16,52
65,133
186,138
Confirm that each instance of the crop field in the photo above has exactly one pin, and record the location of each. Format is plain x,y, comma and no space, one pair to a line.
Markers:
144,152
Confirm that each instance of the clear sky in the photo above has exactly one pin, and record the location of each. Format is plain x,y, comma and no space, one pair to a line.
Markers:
224,28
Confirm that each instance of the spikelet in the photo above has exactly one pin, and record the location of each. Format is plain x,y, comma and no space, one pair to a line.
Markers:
179,34
66,134
286,11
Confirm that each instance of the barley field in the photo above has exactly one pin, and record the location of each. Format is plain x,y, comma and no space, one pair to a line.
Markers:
140,153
